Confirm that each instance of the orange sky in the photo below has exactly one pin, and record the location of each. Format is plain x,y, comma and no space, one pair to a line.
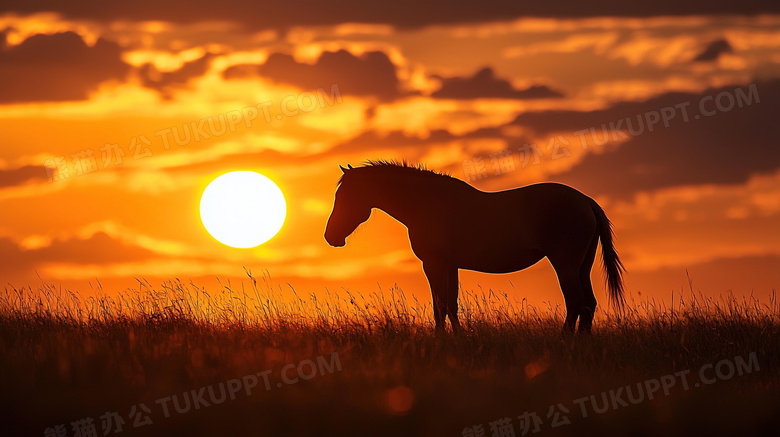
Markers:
140,110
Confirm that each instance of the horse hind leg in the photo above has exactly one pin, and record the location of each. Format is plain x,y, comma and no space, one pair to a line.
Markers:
589,299
569,279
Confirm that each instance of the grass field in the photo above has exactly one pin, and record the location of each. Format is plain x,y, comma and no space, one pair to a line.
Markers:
250,361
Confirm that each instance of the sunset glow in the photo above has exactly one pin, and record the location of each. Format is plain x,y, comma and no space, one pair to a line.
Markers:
114,124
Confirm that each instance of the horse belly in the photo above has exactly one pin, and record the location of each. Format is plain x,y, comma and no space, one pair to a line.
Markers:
499,259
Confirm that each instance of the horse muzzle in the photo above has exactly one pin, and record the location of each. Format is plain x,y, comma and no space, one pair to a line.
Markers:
336,242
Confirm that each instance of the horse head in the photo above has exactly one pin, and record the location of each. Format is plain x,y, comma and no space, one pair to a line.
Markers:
350,209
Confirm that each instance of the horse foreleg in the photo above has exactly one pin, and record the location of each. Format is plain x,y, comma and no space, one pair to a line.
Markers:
452,299
438,279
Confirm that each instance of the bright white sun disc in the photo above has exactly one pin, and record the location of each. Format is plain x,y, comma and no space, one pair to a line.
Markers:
243,209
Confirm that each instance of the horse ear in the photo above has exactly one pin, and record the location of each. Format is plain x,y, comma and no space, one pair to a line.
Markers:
343,170
350,166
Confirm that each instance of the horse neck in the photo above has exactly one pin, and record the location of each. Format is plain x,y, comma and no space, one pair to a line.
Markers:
404,198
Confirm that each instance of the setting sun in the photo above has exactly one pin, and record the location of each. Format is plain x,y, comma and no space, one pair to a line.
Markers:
243,209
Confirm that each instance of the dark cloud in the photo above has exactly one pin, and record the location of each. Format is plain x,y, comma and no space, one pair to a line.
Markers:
370,141
57,67
713,51
485,85
372,74
165,82
366,145
242,71
98,249
401,13
18,176
745,274
726,148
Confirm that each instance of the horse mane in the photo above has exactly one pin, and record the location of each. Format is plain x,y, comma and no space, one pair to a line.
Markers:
402,167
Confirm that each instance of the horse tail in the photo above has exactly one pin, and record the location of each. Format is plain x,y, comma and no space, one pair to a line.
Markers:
610,262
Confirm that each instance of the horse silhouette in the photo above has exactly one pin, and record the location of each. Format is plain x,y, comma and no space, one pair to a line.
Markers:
453,225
